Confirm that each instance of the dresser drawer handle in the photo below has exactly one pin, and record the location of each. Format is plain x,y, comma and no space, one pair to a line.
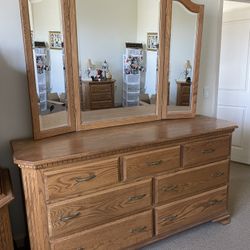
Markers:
138,230
154,163
85,179
170,218
208,151
136,198
80,248
214,202
70,217
218,174
170,188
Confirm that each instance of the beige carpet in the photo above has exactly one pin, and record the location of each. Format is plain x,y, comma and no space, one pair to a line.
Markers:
214,236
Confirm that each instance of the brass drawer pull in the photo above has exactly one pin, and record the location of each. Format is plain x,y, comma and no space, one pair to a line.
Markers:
218,174
208,151
85,179
70,217
170,188
214,202
170,218
138,230
136,198
154,163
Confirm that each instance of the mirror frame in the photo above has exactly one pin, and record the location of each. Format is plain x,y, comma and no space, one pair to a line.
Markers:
69,23
81,125
37,132
199,10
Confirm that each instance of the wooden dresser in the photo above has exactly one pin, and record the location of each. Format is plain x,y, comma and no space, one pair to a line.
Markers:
98,95
183,93
125,187
6,196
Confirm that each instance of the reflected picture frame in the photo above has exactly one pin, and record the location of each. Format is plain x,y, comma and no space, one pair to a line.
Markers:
152,41
55,40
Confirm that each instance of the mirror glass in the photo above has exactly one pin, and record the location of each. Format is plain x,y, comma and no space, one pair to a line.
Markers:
182,58
118,47
49,62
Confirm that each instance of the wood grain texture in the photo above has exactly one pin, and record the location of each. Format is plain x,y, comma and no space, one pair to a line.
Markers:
195,154
117,140
80,178
183,93
70,217
186,183
101,95
189,211
151,162
36,210
99,208
120,234
6,241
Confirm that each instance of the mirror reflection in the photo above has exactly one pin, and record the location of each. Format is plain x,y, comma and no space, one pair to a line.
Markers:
49,65
182,54
118,43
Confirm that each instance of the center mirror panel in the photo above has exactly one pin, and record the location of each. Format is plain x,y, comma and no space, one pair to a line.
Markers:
182,58
118,50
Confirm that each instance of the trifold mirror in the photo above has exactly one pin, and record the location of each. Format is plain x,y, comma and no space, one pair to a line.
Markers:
101,63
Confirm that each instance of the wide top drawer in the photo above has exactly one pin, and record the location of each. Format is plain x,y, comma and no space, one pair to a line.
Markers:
151,162
207,151
80,178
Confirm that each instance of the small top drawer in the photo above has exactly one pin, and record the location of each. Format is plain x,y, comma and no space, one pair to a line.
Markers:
198,153
80,178
151,162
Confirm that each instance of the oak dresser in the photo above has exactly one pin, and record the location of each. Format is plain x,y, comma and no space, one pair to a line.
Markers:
125,187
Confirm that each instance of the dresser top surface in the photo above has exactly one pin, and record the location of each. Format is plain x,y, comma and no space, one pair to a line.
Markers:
115,140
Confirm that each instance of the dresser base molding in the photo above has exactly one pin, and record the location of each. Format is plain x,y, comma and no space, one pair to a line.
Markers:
224,220
127,187
166,236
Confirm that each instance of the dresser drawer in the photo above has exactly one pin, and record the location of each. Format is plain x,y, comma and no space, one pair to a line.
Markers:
101,104
99,208
100,88
180,215
113,236
198,153
80,178
190,182
106,96
150,163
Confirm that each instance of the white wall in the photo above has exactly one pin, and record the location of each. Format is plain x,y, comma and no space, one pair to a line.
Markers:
210,57
148,20
148,16
15,120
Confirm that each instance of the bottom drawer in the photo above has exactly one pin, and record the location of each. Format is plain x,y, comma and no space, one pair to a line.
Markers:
113,236
179,215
